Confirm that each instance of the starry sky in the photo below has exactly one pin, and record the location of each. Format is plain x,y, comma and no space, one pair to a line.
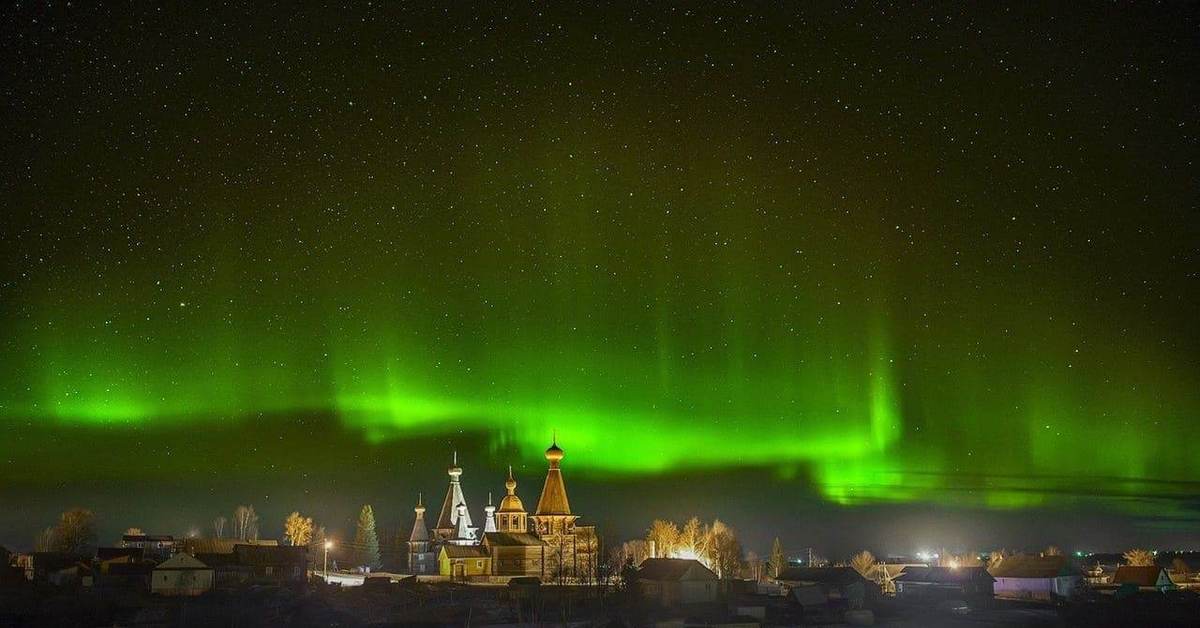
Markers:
887,262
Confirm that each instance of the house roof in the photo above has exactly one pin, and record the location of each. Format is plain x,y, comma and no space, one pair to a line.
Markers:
221,546
826,575
270,555
674,569
217,560
944,575
180,562
130,569
1142,576
509,539
1034,567
110,553
465,551
143,538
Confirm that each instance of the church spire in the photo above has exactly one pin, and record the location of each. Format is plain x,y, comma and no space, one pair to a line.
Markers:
554,492
447,522
420,533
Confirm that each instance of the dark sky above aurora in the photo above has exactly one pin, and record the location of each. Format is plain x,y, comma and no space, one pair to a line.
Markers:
796,267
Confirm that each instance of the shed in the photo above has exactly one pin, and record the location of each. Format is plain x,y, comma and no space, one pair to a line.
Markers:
938,583
818,586
677,581
1036,577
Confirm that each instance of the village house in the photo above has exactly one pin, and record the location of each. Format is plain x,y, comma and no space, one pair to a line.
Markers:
154,546
181,575
677,581
1147,578
944,583
463,561
828,586
1036,577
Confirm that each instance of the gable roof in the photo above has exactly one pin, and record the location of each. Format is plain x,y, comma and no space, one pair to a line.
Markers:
840,576
110,553
674,569
510,539
1034,567
1146,576
270,554
944,575
464,551
220,546
181,561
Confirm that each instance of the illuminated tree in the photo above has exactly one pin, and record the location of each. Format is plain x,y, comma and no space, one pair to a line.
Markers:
777,561
663,537
75,533
1052,551
366,541
691,539
245,523
218,527
298,529
133,532
631,553
1139,558
724,551
864,563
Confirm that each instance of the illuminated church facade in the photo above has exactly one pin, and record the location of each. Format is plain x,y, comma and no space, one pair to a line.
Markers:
548,543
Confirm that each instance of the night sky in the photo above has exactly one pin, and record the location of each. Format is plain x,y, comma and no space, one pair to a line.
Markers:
856,277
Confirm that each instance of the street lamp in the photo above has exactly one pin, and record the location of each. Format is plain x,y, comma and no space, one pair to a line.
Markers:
325,568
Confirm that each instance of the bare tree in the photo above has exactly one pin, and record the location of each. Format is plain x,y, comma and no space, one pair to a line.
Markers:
44,542
864,563
996,557
1139,558
630,553
133,532
724,551
245,523
777,560
1180,567
754,565
316,546
75,533
663,537
218,527
691,538
1052,551
298,529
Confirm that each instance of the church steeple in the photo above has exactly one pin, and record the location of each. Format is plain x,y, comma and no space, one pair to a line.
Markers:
512,512
447,523
554,492
420,533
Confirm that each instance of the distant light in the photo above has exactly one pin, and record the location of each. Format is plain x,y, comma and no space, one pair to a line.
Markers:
328,544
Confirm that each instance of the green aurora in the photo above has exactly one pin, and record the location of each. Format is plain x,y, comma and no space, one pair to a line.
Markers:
827,262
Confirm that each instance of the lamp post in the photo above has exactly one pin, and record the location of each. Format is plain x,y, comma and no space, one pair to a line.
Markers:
325,567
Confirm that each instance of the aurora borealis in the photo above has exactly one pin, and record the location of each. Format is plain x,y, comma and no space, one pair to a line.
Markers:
889,257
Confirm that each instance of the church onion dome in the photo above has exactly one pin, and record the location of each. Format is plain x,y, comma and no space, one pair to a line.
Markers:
554,453
511,503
